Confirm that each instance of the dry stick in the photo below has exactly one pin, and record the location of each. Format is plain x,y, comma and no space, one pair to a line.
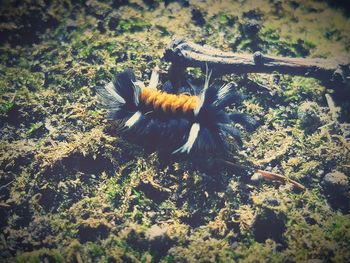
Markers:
233,165
279,177
332,108
265,174
183,54
4,205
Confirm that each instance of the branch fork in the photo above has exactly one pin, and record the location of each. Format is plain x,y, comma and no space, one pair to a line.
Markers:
183,53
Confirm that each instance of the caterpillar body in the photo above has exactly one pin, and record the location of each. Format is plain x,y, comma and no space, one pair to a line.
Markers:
187,121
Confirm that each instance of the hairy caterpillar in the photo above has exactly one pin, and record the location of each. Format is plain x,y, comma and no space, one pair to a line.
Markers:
186,121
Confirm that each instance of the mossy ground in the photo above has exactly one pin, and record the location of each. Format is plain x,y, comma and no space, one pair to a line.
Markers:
73,190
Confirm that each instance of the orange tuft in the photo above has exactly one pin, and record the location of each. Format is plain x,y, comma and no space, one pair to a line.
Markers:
168,102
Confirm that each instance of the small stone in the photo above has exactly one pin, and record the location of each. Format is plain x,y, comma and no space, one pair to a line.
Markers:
256,177
309,118
91,230
336,183
158,239
121,56
268,168
197,17
252,27
272,201
113,23
71,25
336,187
79,123
101,27
151,214
39,229
206,236
319,173
269,224
156,232
61,137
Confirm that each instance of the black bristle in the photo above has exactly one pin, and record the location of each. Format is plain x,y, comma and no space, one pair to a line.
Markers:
205,140
210,96
177,126
248,122
231,98
231,131
125,87
167,87
106,99
140,126
118,114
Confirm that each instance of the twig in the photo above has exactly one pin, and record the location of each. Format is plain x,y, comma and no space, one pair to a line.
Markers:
280,178
232,165
264,174
332,108
4,205
184,54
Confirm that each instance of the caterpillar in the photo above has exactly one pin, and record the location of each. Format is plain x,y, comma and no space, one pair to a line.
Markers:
188,121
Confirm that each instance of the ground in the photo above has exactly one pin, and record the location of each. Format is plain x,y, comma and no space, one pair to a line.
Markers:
74,189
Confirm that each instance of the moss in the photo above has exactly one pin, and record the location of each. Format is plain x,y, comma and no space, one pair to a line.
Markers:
7,106
40,256
81,144
34,127
74,189
301,88
255,252
211,250
338,228
114,191
132,25
298,168
94,250
271,144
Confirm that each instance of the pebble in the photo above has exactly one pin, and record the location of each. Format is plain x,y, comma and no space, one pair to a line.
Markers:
272,201
336,188
156,232
269,225
308,116
252,27
319,173
158,238
256,177
113,23
336,183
